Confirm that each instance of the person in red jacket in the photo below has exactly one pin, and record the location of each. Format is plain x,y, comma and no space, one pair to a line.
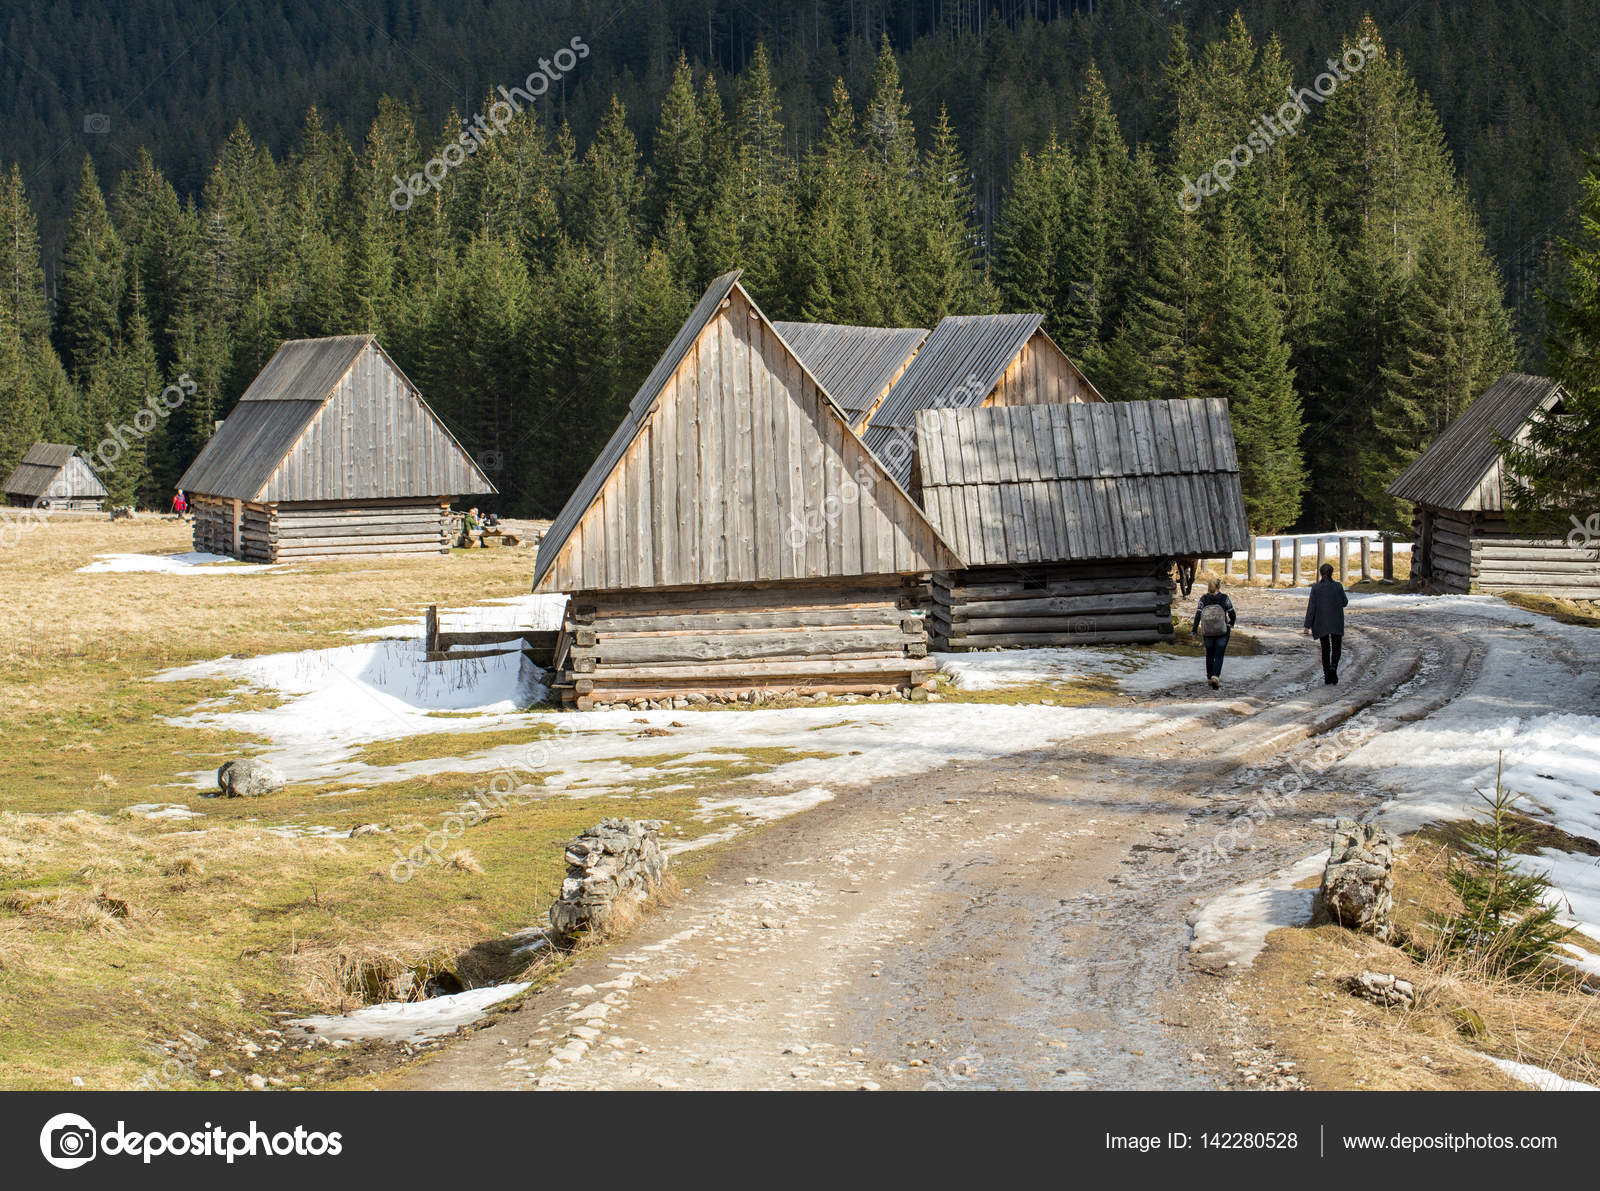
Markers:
180,504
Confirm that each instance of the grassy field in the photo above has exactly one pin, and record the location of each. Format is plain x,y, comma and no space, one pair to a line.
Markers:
126,941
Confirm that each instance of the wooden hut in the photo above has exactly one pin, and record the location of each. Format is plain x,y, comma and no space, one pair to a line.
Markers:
54,476
856,365
970,362
735,537
1464,540
330,452
1069,517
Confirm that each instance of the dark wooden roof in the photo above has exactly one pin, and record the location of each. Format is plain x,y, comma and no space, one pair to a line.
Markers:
1080,482
733,466
328,420
46,471
1462,469
854,364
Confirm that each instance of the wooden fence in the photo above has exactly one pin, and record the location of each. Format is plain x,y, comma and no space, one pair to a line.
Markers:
1349,556
440,646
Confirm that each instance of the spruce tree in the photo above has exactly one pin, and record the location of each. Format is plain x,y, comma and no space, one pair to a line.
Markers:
1240,356
1506,922
90,297
1557,469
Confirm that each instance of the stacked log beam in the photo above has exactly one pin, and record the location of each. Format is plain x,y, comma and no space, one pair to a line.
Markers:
1487,555
741,644
1063,604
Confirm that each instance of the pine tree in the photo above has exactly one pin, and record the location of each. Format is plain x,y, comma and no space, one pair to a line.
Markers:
90,298
1506,922
841,257
943,274
1557,469
1240,356
680,152
1028,238
1095,216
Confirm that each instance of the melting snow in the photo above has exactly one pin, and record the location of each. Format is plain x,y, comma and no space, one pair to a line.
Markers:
410,1021
1545,1081
171,564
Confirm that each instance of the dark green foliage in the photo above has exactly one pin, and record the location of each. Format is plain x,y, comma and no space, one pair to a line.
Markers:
1342,285
1505,922
1557,471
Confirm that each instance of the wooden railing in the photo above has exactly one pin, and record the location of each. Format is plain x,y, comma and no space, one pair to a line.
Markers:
1347,554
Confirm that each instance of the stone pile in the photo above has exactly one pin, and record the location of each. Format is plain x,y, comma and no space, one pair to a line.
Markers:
712,699
611,870
1358,883
1382,989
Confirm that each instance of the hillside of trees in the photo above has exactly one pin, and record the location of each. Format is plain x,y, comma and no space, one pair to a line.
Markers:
1345,293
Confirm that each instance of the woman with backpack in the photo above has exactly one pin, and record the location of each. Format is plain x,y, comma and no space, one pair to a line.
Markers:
1214,619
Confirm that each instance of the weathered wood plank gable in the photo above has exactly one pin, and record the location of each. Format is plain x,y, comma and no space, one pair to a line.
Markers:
768,484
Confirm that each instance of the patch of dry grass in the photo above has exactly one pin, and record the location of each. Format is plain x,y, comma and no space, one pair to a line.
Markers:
1585,613
1463,1012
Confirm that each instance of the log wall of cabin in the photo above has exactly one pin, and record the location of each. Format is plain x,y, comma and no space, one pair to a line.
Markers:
285,532
1093,603
750,643
1483,552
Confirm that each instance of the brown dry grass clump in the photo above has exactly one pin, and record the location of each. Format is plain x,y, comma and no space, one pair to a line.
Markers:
1463,1011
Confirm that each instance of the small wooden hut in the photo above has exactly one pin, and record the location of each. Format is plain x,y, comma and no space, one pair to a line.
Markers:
969,362
1069,517
54,476
734,537
1464,540
856,365
330,452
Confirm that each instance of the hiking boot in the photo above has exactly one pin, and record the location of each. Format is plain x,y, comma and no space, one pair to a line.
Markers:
1215,683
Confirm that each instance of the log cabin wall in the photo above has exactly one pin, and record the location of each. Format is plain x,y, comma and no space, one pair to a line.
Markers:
1482,552
1098,603
328,530
722,644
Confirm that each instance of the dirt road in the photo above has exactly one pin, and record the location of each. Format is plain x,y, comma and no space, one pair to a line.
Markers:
1017,925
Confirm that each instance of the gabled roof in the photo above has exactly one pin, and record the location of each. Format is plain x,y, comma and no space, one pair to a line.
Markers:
1462,468
1081,482
958,366
854,364
333,419
45,472
733,465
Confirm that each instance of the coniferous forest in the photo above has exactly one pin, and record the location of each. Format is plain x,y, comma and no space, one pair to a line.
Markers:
1371,264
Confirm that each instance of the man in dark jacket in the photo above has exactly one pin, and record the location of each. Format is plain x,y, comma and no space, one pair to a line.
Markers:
1325,620
1216,641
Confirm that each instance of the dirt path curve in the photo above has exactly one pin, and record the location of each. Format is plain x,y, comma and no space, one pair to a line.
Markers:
1020,924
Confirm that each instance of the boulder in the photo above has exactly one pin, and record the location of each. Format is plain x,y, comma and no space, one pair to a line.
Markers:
1358,882
249,778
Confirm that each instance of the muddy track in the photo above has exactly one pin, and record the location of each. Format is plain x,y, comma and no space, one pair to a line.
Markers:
1020,924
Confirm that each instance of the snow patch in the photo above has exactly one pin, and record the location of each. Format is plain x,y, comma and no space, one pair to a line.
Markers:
191,563
1545,1081
162,810
1233,928
409,1021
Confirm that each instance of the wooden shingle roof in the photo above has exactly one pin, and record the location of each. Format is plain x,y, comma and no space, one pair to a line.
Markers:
329,420
854,364
1080,482
46,472
1462,469
957,367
